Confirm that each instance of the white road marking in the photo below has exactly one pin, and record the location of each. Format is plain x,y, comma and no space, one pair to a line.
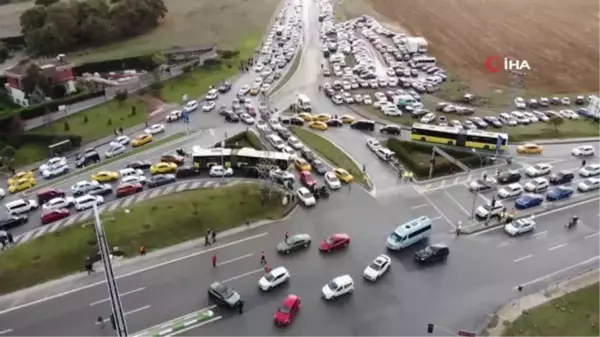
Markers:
437,218
142,196
420,206
127,202
130,312
122,294
154,193
235,259
113,206
181,187
191,327
539,233
210,183
464,210
85,215
26,236
455,181
442,183
102,208
71,219
139,271
486,199
55,226
592,235
559,271
195,185
437,209
504,244
556,247
4,332
243,275
523,258
168,189
41,231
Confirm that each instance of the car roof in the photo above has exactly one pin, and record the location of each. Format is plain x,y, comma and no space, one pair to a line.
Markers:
15,202
343,278
439,245
340,236
289,300
278,271
300,236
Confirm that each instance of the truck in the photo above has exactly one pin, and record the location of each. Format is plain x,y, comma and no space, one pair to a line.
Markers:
416,45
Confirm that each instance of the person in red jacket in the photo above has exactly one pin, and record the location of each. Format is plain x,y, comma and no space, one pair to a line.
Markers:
214,261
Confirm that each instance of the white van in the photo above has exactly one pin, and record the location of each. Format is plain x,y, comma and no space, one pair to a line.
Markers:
20,206
409,233
339,286
276,141
304,102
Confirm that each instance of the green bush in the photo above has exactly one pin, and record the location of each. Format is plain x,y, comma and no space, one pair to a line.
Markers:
228,54
242,139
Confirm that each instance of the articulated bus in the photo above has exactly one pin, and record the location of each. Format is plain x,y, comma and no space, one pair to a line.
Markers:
447,135
236,158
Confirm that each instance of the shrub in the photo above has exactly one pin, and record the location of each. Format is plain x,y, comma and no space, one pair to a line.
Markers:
67,127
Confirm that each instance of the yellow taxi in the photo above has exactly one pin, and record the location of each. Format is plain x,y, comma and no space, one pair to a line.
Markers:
302,165
347,119
21,185
141,140
530,148
20,175
305,116
322,117
163,168
105,176
318,126
343,175
254,90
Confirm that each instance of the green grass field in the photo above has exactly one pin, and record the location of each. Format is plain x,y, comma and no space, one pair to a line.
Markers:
156,223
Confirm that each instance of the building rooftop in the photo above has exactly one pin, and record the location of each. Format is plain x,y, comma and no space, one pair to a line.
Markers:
21,67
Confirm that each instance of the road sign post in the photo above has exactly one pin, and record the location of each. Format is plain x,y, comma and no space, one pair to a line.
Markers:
499,141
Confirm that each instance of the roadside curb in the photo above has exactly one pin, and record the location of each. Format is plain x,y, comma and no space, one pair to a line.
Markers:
177,324
559,141
457,175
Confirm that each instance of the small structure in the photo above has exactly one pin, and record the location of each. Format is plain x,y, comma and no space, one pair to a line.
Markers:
58,71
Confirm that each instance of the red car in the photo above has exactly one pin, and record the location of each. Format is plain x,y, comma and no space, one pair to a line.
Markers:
251,112
48,194
336,241
176,159
287,310
127,189
54,215
307,179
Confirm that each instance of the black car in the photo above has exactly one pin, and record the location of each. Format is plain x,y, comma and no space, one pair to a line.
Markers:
334,122
284,133
224,111
562,177
509,177
161,179
231,117
87,158
329,92
12,221
225,87
308,155
251,171
292,121
186,172
433,253
391,129
319,166
223,295
363,125
139,165
100,189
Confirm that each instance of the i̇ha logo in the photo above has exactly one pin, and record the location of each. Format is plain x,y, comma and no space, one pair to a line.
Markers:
495,64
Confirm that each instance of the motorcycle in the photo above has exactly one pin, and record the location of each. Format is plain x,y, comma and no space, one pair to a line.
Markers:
572,223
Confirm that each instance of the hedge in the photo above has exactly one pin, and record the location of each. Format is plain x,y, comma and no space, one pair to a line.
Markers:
403,150
44,139
248,137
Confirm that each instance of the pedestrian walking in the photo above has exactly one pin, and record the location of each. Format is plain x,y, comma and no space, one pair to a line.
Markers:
241,307
458,228
120,130
11,239
364,168
116,132
287,236
100,322
206,240
214,261
142,250
89,267
263,259
214,236
267,269
583,162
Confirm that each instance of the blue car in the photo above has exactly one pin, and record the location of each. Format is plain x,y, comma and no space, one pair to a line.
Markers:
559,193
528,201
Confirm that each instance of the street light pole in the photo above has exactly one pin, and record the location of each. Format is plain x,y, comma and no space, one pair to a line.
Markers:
475,195
111,283
480,158
222,156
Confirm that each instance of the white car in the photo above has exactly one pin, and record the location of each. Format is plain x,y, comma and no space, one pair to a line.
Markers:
295,143
244,89
20,206
565,101
53,162
55,171
191,106
583,150
134,179
367,99
537,185
220,171
307,198
520,103
510,191
481,185
373,144
87,202
58,203
2,193
488,210
246,118
587,185
174,115
129,171
538,170
275,277
290,151
519,226
380,96
248,103
384,153
591,170
115,149
212,95
339,286
208,106
456,123
123,140
262,126
377,268
348,98
155,128
82,187
337,99
332,181
391,110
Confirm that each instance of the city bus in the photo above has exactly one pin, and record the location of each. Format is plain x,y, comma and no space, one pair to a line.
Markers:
447,135
236,158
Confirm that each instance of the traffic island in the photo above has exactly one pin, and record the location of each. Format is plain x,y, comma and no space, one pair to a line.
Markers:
332,153
157,223
241,140
177,325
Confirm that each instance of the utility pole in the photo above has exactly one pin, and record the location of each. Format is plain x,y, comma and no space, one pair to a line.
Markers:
111,283
222,156
432,162
475,196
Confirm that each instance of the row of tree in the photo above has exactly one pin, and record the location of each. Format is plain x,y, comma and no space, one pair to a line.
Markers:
52,26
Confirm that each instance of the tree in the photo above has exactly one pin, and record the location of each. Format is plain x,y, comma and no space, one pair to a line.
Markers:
7,155
67,127
34,78
556,122
45,3
32,19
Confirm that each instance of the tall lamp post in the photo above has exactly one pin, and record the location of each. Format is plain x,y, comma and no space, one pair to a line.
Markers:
111,283
480,157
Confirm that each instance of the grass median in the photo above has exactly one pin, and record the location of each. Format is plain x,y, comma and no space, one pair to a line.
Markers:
156,223
574,314
331,153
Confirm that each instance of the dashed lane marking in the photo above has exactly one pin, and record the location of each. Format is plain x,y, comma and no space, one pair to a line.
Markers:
419,206
592,235
539,233
557,247
523,258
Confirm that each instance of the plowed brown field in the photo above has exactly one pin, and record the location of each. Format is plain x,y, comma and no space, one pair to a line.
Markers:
559,39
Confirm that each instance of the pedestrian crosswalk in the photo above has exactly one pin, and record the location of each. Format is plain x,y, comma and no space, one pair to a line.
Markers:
120,203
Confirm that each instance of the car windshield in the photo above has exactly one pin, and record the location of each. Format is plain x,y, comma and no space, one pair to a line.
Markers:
538,167
283,309
304,194
396,237
269,277
428,250
226,292
375,266
590,167
332,285
487,206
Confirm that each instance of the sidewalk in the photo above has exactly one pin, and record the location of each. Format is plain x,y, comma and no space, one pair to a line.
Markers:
512,310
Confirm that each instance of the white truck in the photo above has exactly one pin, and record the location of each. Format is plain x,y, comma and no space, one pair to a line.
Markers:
416,45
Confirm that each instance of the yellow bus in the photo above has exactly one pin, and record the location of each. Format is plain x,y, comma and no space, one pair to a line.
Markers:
447,135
